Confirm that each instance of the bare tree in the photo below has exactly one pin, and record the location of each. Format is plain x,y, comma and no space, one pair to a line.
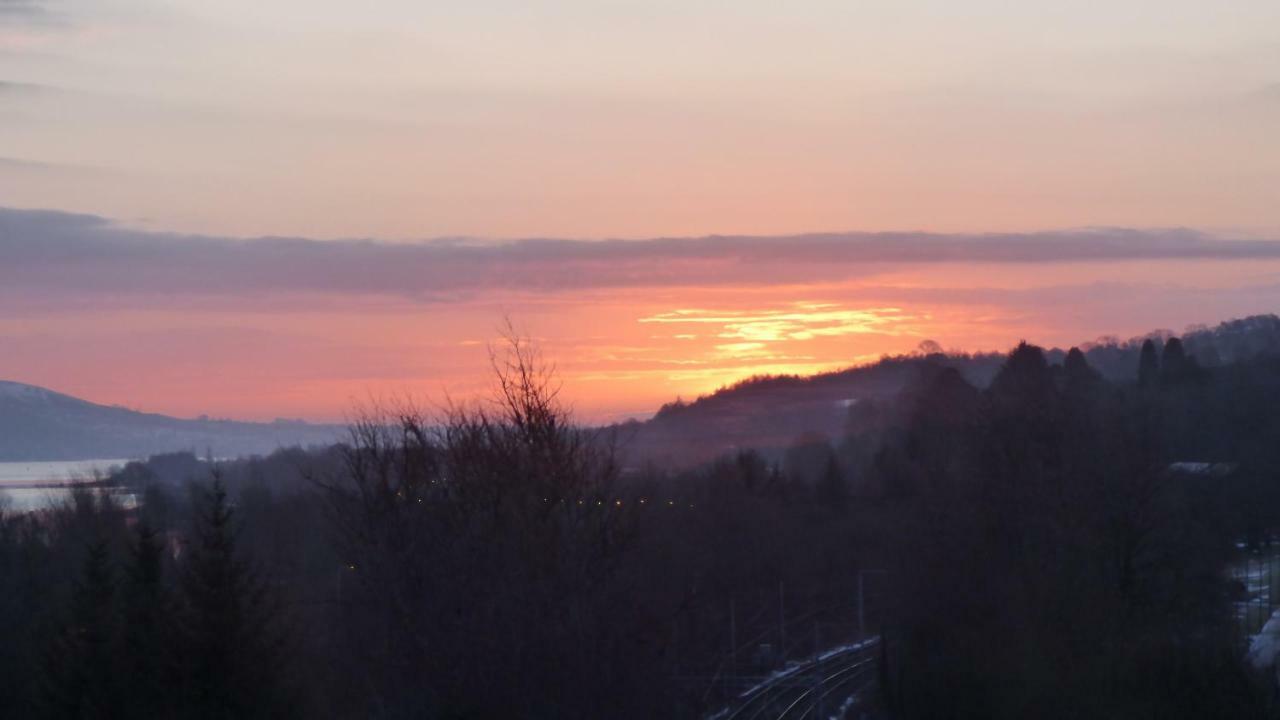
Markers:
479,542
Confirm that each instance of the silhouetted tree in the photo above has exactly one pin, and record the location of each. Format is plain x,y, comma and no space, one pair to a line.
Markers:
483,552
751,469
233,637
80,666
1176,366
1077,370
833,488
1025,378
146,659
1148,364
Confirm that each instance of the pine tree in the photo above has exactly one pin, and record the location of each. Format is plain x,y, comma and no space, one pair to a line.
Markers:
1025,376
1148,364
80,680
1175,365
233,643
833,490
1077,370
145,653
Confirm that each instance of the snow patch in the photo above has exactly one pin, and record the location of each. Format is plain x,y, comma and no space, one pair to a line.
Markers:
794,667
1265,646
844,708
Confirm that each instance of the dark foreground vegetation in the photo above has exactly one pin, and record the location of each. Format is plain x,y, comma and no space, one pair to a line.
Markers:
1051,545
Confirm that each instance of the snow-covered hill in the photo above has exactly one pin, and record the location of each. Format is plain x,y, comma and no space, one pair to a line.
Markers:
40,424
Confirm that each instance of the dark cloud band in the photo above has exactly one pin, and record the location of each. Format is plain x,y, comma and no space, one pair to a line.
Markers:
56,254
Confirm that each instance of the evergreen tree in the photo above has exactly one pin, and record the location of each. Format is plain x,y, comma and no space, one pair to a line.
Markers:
1025,376
1175,365
1148,364
751,469
833,489
1077,370
145,654
233,645
80,677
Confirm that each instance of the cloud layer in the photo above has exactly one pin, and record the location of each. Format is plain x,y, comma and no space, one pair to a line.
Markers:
57,256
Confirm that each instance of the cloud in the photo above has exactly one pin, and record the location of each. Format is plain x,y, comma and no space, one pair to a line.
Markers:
60,257
21,7
24,165
8,87
799,321
27,12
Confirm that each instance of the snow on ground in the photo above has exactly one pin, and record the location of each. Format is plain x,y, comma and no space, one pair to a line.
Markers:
843,710
793,667
1265,646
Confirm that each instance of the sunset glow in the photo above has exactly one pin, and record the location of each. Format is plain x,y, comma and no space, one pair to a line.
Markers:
200,143
242,329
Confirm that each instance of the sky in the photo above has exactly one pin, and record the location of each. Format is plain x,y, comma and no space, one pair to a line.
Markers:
277,209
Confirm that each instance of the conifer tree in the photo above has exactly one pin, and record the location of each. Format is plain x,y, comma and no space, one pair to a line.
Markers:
146,657
833,490
80,680
1025,377
1077,369
1148,364
233,644
1175,365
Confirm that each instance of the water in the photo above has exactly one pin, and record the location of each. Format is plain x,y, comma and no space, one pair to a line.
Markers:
28,486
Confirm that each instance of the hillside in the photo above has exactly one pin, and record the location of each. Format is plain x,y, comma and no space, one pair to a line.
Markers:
40,424
770,413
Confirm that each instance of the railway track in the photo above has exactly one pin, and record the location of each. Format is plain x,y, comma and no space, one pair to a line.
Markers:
797,695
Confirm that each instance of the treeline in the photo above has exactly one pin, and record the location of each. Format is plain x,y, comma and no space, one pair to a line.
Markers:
1062,558
105,616
686,433
1030,549
493,561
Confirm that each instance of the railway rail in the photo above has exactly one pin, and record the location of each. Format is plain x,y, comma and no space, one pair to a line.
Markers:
811,691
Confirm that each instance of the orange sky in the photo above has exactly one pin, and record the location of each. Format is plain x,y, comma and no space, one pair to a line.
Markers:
622,349
190,133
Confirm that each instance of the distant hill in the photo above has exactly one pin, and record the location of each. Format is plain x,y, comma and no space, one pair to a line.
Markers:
40,424
770,413
763,413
